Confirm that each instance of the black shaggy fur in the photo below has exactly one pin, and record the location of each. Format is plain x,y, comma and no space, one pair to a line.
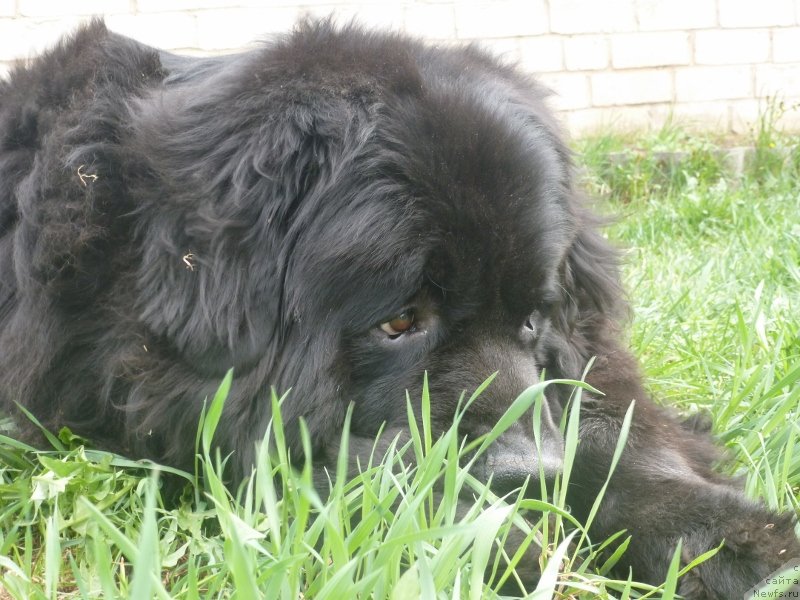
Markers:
163,219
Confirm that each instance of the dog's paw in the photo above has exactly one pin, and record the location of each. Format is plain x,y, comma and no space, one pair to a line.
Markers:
752,549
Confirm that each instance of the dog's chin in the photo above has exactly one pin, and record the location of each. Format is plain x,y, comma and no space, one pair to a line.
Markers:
527,569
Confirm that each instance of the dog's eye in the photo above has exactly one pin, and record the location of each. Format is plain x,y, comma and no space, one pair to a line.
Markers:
401,324
546,306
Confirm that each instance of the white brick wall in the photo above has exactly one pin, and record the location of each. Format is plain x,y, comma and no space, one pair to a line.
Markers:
732,46
650,49
7,8
759,13
618,63
631,87
694,84
786,44
778,79
676,15
582,16
571,90
20,37
169,30
57,8
587,52
432,21
479,19
541,54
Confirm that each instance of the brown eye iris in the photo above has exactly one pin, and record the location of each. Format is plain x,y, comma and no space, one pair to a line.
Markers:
400,324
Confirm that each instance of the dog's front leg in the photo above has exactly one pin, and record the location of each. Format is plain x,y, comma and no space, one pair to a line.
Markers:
664,490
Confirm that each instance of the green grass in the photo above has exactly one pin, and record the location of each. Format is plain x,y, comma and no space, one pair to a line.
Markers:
712,262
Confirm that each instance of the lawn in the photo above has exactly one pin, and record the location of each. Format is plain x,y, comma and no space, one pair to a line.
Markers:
712,264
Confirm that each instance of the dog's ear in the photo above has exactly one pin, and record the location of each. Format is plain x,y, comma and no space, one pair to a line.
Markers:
64,242
229,184
593,303
62,182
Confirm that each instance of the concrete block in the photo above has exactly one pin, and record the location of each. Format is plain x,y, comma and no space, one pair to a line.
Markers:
60,8
650,49
676,15
786,44
506,49
169,31
732,46
389,16
586,52
782,81
745,13
570,90
602,120
8,8
703,116
25,38
500,19
631,87
437,21
231,29
157,6
697,84
580,16
744,115
541,54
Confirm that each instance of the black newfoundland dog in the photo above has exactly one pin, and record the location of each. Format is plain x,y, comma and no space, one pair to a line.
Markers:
337,212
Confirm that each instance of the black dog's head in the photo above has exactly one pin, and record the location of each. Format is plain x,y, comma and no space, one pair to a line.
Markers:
336,213
363,210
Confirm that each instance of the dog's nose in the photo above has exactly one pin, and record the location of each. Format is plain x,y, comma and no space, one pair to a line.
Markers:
513,458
